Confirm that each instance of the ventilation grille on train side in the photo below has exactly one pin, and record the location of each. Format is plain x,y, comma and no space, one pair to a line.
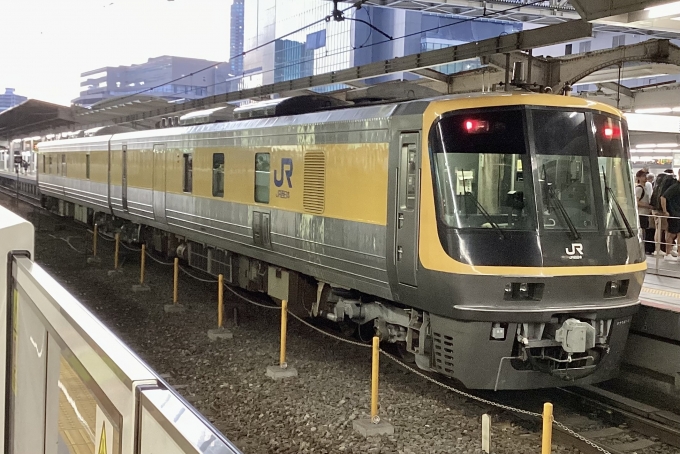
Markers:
314,191
443,353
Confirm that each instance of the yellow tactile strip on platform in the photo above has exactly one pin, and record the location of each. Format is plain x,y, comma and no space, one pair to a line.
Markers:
657,291
77,412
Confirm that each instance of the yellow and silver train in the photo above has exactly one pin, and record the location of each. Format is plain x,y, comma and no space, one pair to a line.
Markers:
492,237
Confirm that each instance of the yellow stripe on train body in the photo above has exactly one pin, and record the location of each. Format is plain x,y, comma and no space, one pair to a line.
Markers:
355,178
355,175
431,252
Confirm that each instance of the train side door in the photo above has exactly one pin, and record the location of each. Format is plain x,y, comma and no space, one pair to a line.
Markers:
123,183
408,184
159,182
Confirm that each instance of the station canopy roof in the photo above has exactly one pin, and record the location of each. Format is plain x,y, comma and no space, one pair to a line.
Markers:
116,107
39,117
32,115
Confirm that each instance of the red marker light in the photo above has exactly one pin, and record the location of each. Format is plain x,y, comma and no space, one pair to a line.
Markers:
612,132
475,126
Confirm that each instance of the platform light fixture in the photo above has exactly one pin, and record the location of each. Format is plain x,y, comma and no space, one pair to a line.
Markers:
654,110
646,145
669,9
666,145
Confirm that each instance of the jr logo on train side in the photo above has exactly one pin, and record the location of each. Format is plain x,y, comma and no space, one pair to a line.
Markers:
286,171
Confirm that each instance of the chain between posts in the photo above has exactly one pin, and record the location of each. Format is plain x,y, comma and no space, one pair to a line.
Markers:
417,372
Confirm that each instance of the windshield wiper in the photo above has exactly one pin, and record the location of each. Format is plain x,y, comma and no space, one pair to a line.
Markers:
481,208
609,192
560,207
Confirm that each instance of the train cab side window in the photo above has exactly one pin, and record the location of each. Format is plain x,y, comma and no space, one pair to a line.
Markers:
44,164
218,175
63,165
262,177
187,184
50,171
409,152
87,166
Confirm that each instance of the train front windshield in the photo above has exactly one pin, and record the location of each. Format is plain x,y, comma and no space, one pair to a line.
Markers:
516,174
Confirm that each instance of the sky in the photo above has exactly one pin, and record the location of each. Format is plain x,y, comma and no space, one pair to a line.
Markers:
46,44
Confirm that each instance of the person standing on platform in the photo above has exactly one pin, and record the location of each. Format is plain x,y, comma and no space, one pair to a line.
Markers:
663,181
650,233
649,185
670,205
643,196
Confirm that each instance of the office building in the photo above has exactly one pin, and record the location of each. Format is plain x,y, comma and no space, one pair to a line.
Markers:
9,99
236,38
110,82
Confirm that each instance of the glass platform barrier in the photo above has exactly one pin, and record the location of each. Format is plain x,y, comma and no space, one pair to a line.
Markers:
70,386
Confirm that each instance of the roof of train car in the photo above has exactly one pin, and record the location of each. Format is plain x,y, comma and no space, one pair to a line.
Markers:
376,113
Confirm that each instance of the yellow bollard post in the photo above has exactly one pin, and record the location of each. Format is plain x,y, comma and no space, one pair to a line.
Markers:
115,257
94,241
175,307
282,370
141,268
175,283
284,327
220,332
374,380
220,300
373,426
546,446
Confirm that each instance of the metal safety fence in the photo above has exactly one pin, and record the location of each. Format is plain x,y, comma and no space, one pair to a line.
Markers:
70,385
659,245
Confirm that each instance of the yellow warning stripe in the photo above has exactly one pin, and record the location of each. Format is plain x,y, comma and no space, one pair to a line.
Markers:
661,292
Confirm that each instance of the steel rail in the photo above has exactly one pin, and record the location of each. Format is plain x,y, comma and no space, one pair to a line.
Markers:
639,417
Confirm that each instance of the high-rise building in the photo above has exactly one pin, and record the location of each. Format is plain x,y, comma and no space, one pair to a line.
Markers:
109,82
292,60
9,99
236,37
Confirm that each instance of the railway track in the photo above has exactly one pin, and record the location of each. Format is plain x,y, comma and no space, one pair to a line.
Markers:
10,191
650,425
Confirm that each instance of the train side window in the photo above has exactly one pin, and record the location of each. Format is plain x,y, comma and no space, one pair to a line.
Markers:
87,166
218,175
44,164
63,164
410,152
262,177
50,165
188,172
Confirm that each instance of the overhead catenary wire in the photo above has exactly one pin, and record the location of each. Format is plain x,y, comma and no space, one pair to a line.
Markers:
366,46
242,54
485,15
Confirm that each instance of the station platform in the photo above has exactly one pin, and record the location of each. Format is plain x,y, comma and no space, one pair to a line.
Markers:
652,355
28,177
660,312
